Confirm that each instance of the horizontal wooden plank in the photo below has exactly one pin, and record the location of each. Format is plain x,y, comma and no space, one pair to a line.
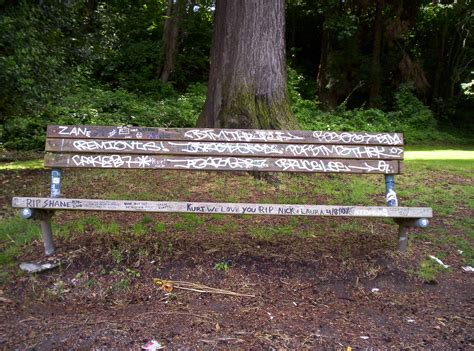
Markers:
223,149
224,208
221,163
224,135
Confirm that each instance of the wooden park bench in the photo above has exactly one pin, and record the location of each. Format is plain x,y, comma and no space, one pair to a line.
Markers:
222,150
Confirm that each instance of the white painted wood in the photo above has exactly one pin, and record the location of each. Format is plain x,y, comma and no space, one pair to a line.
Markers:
224,208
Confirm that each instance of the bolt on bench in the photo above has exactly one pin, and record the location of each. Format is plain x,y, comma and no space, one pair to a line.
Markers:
221,150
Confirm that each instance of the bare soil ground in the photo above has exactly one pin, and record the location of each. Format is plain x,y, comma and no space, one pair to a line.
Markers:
316,286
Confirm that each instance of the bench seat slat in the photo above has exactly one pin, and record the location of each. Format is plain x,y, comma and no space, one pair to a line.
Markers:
224,208
225,135
210,163
223,149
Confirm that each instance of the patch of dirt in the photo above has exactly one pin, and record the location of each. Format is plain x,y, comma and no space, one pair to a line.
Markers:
330,290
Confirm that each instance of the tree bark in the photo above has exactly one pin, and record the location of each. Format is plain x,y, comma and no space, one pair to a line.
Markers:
375,72
174,12
247,81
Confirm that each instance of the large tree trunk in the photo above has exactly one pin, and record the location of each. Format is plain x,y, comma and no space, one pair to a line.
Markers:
174,12
247,81
375,72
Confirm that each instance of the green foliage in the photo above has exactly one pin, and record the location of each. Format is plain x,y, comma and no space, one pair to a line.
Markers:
101,106
409,116
33,57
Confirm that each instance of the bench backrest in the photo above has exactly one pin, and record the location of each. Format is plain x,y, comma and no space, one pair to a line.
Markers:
223,149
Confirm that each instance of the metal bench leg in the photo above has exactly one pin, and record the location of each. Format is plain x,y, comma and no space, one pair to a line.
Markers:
390,194
392,201
45,220
402,238
404,226
44,216
47,234
45,224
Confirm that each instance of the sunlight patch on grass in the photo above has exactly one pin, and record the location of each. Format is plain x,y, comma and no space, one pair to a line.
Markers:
445,154
21,165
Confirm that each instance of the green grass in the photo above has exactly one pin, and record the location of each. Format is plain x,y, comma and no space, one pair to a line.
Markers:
159,227
267,233
439,153
351,226
21,165
466,248
108,228
78,226
428,271
15,232
139,229
189,222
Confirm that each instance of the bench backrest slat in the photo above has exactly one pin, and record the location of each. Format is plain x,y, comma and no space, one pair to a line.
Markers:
225,135
222,163
190,148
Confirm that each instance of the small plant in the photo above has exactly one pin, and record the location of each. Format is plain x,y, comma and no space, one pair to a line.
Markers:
222,266
122,284
59,288
159,227
90,283
428,271
117,256
170,248
138,229
132,273
146,220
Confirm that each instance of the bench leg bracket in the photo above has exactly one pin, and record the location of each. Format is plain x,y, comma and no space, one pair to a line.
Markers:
44,218
404,225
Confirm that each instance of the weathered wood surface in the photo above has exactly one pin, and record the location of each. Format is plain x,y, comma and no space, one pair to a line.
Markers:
224,208
221,163
223,149
224,135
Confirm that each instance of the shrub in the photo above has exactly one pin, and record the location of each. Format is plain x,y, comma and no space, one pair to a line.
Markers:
100,106
410,116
